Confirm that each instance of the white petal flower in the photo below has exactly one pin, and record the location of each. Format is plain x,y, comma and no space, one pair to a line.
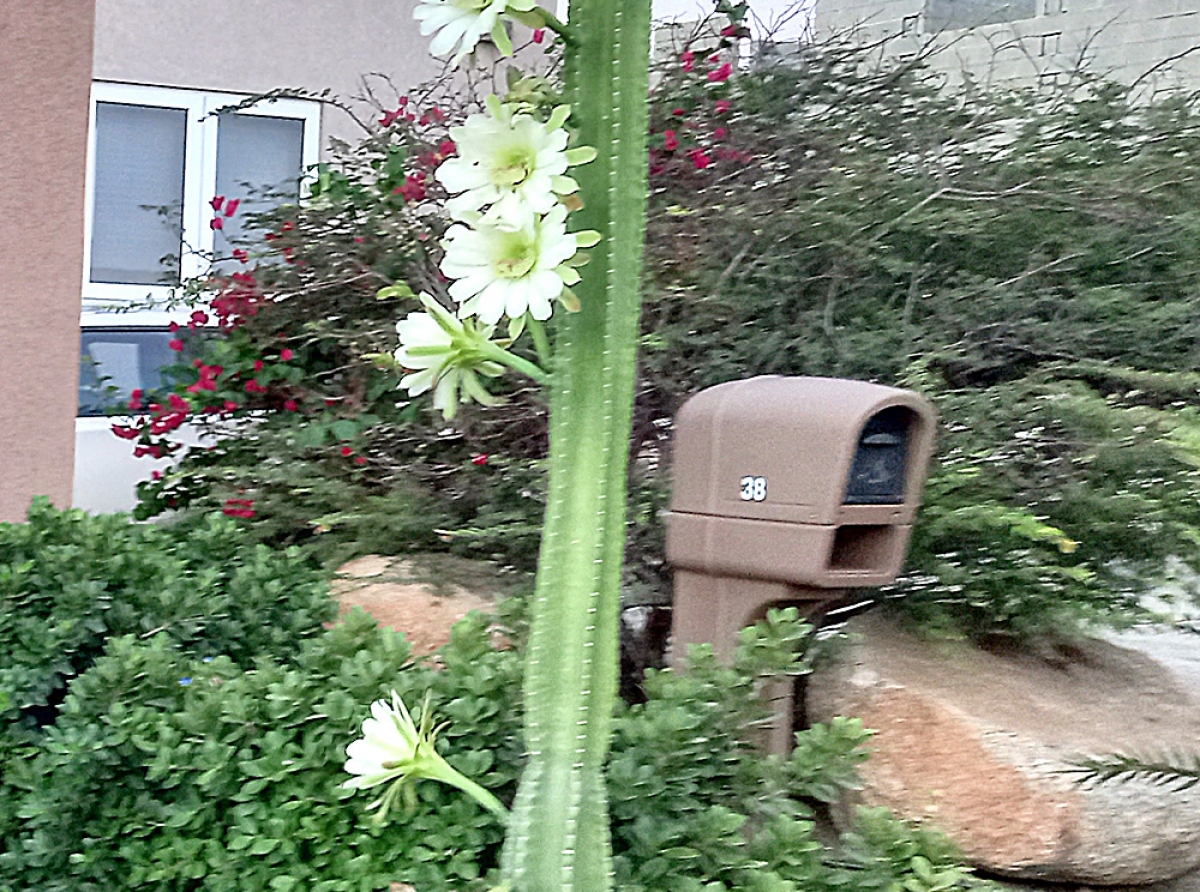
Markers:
503,271
512,162
446,355
388,748
462,23
394,748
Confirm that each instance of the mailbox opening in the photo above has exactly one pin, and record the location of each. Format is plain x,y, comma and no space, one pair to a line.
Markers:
878,473
863,548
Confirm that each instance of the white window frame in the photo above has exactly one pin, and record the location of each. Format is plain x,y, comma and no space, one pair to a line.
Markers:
199,171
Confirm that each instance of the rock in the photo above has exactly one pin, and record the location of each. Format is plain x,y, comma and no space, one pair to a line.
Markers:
982,744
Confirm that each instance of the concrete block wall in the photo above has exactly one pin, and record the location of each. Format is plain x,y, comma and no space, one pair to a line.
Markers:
1123,39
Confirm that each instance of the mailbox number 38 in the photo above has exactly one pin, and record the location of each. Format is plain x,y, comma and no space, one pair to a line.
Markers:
754,489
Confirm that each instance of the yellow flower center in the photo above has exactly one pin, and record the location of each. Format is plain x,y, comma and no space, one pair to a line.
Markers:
513,168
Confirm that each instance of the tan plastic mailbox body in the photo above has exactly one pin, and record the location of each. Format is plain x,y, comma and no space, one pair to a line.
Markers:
789,490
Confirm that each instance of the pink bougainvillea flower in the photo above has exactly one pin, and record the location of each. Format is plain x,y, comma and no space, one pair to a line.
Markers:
678,112
240,255
175,344
699,158
291,406
480,459
217,223
200,317
714,58
216,201
670,141
239,508
126,433
258,365
231,206
346,451
539,34
156,475
360,460
287,354
447,147
720,75
729,31
722,106
688,59
413,189
720,133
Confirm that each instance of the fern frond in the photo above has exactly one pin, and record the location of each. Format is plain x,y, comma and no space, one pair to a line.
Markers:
1177,771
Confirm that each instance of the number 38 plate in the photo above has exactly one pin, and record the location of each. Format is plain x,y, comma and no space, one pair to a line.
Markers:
754,489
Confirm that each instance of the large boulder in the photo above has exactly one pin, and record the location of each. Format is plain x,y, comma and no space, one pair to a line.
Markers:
982,745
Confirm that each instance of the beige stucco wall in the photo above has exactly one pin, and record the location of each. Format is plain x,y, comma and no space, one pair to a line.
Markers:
45,70
1123,39
258,45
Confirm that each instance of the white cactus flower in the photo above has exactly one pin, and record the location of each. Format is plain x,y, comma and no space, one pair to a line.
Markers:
511,162
394,748
447,356
461,24
502,271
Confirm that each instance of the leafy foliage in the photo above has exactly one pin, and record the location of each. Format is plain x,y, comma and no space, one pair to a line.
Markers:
170,768
70,581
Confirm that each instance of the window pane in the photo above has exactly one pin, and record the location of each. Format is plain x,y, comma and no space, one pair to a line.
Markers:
137,218
114,362
940,14
260,161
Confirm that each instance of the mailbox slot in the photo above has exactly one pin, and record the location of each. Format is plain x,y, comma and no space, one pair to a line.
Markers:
865,549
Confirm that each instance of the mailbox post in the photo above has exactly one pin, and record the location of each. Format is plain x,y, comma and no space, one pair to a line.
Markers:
788,491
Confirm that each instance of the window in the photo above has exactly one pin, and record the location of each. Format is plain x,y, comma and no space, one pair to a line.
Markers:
114,362
157,158
950,14
1049,44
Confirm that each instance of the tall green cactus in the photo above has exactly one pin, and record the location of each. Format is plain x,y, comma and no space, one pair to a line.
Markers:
558,837
510,254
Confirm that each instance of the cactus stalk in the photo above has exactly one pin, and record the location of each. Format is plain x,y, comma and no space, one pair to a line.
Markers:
558,836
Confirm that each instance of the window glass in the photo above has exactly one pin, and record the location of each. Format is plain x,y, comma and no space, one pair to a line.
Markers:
260,162
114,362
137,217
943,14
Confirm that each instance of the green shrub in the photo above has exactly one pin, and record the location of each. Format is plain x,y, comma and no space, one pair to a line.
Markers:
1056,505
1003,251
69,581
169,771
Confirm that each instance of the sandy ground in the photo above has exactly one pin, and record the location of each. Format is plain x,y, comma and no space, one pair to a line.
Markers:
422,595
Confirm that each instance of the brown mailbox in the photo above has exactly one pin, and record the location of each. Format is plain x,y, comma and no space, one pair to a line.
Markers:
789,490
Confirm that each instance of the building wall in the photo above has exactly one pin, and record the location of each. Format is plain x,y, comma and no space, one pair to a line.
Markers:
1123,39
258,45
46,70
